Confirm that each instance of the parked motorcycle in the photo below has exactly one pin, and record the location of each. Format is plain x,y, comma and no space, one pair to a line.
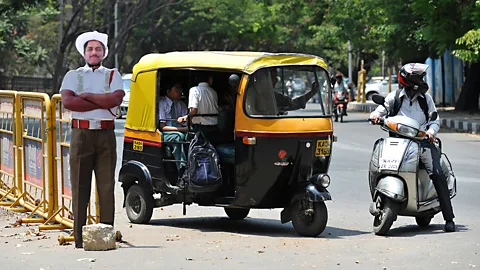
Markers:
340,100
399,185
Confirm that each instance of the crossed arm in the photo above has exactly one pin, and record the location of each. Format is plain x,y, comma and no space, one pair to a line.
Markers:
90,101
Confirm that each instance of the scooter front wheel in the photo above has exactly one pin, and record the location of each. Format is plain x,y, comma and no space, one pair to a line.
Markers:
383,222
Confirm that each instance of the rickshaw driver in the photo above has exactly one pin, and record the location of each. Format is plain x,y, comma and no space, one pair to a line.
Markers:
285,103
203,99
171,107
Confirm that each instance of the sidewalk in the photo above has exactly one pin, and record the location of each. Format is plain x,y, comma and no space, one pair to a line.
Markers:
449,118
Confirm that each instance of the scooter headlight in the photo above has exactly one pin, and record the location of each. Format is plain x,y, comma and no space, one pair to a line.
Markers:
407,131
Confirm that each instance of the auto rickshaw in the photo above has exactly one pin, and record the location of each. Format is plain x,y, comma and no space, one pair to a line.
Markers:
275,151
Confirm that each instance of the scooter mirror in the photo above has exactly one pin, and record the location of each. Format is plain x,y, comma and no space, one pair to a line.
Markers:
433,116
380,100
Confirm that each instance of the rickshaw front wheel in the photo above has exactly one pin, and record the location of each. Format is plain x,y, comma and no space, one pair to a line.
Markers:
309,218
237,213
139,204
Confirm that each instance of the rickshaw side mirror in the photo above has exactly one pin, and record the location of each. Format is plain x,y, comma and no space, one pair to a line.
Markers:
333,81
234,81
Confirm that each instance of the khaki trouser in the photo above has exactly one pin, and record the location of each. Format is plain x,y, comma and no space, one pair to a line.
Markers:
92,150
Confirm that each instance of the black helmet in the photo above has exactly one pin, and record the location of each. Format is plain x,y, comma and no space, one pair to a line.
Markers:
411,76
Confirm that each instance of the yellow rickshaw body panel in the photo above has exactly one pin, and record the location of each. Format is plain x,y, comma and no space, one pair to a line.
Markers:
141,115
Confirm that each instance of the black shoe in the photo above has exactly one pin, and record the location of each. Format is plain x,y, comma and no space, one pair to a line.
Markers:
449,226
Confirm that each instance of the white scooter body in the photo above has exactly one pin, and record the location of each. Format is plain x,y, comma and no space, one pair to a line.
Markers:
395,174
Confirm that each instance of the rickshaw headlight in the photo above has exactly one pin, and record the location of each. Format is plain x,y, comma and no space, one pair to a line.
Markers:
322,180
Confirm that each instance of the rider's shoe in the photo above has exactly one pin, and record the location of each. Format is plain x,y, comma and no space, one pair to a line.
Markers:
449,226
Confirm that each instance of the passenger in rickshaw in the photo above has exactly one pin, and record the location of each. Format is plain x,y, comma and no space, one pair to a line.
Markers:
202,99
226,121
171,107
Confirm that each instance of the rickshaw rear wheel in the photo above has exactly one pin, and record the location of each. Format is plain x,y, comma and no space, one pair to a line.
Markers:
139,204
309,218
237,213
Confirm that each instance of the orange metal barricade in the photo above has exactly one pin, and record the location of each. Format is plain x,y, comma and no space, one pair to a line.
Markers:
34,141
34,161
9,190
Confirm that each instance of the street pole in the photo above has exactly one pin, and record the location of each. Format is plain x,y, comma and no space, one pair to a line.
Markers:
350,61
116,34
383,64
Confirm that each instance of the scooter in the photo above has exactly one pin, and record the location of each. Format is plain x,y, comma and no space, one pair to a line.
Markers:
399,185
339,103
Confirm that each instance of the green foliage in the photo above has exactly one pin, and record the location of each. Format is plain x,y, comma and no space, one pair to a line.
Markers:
22,53
470,46
409,30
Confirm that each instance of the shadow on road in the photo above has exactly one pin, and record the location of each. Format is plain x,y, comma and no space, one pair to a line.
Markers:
126,244
414,230
249,226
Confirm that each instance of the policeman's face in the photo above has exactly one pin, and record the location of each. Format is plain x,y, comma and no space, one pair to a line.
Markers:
94,52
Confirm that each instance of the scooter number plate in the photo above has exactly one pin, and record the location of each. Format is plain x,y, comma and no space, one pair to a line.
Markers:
389,164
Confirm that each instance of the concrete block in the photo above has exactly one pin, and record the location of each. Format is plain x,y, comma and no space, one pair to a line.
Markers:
98,237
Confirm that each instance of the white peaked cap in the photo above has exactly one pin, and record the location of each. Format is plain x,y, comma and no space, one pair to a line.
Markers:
86,37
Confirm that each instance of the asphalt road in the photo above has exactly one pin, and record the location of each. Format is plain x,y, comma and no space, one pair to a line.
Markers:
207,239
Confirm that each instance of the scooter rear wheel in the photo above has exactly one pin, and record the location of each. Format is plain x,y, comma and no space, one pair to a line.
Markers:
383,222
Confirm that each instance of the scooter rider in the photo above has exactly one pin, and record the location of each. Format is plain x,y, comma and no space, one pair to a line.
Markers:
341,87
412,89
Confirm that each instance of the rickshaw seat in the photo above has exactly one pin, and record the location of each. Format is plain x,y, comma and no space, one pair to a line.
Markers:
226,153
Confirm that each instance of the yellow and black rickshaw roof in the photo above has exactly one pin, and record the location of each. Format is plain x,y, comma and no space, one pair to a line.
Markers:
243,61
142,97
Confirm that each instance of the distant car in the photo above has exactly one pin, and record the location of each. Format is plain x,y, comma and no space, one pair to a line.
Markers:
123,109
380,86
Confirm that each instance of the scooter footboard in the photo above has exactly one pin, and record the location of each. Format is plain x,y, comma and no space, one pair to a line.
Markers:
392,187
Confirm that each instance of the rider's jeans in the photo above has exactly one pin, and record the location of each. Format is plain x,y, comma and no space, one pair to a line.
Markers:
430,158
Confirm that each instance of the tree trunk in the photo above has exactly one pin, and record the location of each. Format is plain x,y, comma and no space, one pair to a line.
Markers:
468,99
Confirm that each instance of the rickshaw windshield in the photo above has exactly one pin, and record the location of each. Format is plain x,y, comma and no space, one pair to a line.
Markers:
291,91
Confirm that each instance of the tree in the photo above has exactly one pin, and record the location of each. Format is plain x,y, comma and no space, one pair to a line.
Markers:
20,51
469,50
445,25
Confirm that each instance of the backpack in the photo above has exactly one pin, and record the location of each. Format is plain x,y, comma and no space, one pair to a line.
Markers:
203,171
398,103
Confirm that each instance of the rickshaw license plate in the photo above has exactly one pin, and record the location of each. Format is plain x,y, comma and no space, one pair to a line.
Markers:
323,148
137,145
